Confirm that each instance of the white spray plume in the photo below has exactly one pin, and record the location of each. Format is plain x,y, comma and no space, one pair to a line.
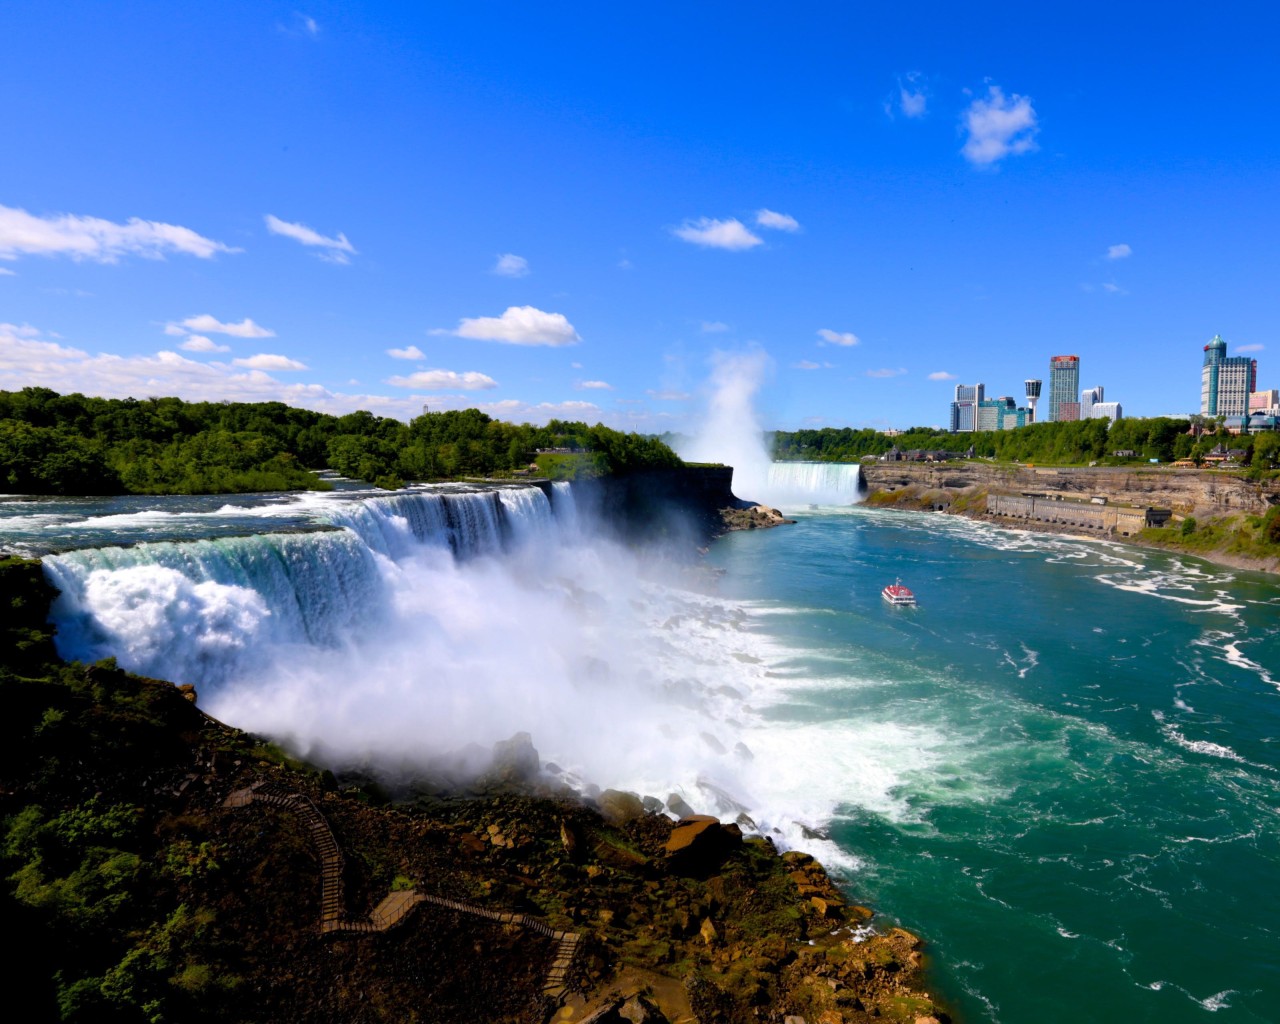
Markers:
730,432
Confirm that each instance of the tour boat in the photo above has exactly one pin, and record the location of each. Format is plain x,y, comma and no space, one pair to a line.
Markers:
898,595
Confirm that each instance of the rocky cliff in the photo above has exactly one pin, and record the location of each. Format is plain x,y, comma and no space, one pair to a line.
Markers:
1187,491
683,503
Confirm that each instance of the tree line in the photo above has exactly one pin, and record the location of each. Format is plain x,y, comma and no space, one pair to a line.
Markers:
74,444
1075,443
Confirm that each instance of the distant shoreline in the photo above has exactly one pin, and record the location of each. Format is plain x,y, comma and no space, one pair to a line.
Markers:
962,489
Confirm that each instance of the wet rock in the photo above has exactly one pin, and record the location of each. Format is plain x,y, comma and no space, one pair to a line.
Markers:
619,807
699,843
652,804
569,839
514,761
677,806
639,1010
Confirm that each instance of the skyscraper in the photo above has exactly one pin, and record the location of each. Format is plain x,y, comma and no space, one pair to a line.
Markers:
1225,381
1064,385
1089,397
965,408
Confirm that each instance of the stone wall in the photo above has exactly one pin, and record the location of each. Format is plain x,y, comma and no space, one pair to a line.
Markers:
1111,519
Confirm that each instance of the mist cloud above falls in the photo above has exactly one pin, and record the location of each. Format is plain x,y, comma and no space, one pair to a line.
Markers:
730,431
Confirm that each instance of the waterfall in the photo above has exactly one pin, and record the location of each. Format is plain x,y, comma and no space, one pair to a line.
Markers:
813,483
467,522
202,611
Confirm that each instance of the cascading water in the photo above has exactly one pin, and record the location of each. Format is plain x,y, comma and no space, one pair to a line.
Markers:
813,483
421,622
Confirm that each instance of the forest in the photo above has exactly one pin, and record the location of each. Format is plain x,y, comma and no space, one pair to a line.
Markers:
1063,444
73,444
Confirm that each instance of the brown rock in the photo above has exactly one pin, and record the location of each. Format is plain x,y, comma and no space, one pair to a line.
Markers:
708,932
691,832
619,807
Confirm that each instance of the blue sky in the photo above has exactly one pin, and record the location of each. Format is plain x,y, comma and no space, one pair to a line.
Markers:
568,210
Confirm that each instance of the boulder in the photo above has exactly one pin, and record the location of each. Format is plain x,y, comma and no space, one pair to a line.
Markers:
677,806
514,760
699,843
639,1010
619,807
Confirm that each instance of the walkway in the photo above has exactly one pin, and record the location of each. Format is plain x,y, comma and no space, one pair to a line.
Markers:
397,905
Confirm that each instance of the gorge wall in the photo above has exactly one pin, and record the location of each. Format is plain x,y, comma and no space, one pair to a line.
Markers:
659,503
1186,491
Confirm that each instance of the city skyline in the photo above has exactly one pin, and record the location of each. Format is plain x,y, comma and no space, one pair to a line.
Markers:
546,215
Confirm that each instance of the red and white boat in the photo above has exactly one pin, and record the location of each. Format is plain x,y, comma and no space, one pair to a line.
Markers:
898,595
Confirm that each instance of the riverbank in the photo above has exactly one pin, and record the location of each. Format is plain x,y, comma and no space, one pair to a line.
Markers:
1226,512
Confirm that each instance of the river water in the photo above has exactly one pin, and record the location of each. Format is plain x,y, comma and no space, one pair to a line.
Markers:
1061,768
1082,739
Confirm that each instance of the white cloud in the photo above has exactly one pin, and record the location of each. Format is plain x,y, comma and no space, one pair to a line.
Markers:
92,238
334,250
912,98
717,234
886,373
412,352
998,126
519,325
625,264
830,337
806,364
670,396
309,25
1118,252
199,343
777,221
246,328
1250,348
595,385
511,265
28,359
1114,289
267,361
942,375
444,380
6,272
713,327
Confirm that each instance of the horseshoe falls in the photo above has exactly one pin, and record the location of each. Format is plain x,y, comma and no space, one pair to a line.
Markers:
813,483
1061,768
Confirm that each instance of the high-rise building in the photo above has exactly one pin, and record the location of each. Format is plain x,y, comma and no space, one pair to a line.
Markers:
1064,385
1264,401
1089,397
1105,411
1000,414
964,410
1226,381
1033,396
